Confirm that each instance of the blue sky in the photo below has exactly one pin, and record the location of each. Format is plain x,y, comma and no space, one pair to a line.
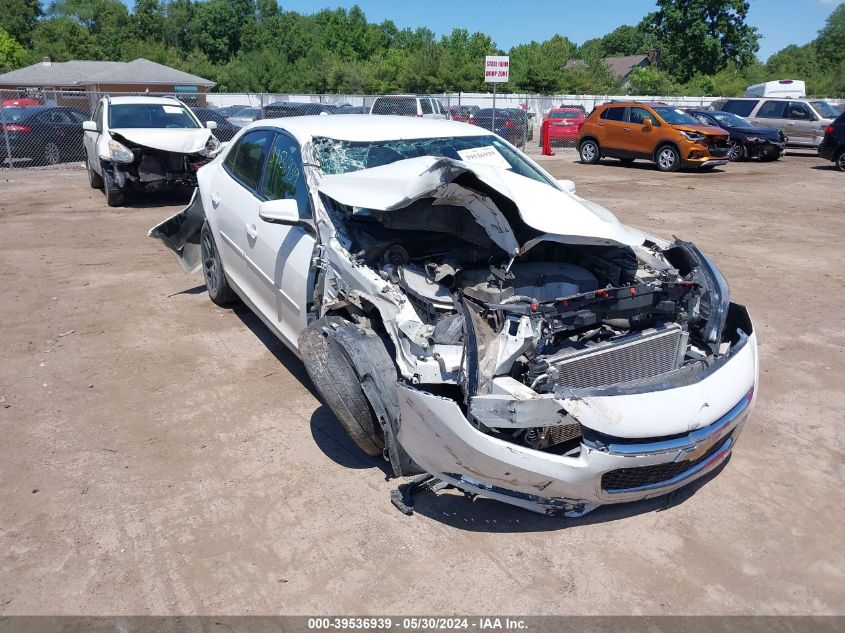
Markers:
780,22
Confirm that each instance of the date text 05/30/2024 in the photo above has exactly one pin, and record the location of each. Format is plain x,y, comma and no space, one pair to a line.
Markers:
419,623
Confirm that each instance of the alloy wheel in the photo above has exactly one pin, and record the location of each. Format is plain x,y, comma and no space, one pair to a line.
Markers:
52,154
209,263
666,158
735,152
588,152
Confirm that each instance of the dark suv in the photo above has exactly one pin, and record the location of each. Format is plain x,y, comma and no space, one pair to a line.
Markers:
832,146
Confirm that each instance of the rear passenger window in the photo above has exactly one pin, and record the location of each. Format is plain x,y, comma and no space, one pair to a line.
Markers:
244,161
426,106
394,105
613,114
772,110
742,108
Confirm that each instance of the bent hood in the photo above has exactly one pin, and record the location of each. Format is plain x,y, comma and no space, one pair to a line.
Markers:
554,215
178,140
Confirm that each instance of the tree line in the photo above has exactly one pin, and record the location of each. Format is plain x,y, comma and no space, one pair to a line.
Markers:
705,47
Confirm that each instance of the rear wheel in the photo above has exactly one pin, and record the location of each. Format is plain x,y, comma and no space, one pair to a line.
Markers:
668,158
840,160
589,151
218,287
114,195
51,154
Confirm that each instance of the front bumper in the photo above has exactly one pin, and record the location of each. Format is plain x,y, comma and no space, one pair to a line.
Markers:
695,427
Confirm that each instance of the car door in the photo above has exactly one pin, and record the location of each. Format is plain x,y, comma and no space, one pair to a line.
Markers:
233,194
280,254
772,113
801,124
90,140
637,138
611,126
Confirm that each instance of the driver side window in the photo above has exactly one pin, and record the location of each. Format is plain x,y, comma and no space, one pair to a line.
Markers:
283,175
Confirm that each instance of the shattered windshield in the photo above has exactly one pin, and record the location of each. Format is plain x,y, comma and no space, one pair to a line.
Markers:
150,115
340,157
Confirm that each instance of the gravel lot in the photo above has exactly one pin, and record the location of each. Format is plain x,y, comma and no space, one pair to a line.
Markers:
161,455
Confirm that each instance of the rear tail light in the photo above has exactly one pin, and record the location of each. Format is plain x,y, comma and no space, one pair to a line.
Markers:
509,124
828,129
15,127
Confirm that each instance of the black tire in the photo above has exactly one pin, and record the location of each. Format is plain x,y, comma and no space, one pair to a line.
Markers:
339,386
94,179
589,152
668,158
219,290
737,152
840,160
115,197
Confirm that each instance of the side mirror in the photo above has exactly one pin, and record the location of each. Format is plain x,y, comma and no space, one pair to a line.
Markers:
285,211
647,123
211,125
567,185
89,126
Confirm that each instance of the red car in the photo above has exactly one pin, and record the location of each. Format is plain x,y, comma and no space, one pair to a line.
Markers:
564,124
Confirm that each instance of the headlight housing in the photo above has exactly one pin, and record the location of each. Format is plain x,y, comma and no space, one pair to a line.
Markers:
754,139
119,153
211,147
693,136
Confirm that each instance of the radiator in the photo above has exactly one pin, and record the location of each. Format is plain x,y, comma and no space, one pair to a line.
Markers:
626,358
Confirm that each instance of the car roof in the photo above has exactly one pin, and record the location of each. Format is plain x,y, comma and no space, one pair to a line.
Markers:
161,100
365,127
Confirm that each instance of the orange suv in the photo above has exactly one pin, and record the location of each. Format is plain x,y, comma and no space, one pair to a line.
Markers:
652,131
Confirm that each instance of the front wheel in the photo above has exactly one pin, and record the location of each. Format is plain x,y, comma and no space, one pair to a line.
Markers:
115,197
51,154
589,152
94,179
736,152
216,284
668,159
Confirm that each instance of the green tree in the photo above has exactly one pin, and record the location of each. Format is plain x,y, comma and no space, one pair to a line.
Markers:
626,40
830,44
19,17
650,81
701,36
12,54
148,19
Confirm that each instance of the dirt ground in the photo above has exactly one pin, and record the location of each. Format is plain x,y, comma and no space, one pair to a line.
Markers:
161,455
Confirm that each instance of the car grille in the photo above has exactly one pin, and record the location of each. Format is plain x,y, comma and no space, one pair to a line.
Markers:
625,478
635,357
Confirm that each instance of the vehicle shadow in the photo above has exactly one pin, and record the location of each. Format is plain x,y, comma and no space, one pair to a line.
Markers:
196,290
155,199
486,515
644,165
830,167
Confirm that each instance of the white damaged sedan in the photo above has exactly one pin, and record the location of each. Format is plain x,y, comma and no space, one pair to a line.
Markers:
468,317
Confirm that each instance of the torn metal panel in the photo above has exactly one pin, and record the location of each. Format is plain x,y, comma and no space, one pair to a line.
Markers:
180,233
553,214
177,140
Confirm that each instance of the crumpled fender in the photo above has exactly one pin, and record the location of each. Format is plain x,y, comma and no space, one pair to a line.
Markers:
181,233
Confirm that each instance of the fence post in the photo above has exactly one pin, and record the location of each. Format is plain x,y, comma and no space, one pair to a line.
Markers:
6,135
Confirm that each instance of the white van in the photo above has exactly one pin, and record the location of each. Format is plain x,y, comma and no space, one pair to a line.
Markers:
784,88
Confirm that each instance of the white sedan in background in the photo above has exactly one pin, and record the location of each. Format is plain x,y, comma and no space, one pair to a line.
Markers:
468,317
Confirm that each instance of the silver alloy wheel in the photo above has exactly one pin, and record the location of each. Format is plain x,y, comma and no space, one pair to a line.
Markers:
588,152
735,152
666,160
840,162
52,154
209,263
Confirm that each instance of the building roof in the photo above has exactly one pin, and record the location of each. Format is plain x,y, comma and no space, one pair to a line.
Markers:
619,66
88,73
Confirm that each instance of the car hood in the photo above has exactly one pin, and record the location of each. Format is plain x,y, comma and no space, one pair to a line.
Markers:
709,130
765,132
178,140
548,213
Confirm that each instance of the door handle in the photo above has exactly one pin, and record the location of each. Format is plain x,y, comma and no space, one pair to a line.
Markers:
215,198
252,231
626,129
599,123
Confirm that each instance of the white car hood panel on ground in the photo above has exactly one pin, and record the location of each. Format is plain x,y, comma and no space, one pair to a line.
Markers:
178,140
560,216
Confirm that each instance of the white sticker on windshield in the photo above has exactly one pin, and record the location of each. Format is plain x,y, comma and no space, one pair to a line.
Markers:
172,109
487,155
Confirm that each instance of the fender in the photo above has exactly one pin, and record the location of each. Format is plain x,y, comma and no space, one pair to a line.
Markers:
181,233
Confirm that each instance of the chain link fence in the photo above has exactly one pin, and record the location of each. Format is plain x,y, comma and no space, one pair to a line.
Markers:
39,129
